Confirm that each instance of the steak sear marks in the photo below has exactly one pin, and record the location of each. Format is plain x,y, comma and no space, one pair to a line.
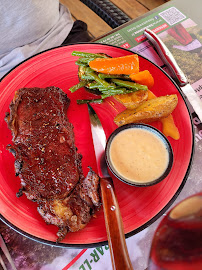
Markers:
47,161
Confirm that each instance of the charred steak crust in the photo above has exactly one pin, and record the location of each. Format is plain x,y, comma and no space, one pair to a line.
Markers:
47,161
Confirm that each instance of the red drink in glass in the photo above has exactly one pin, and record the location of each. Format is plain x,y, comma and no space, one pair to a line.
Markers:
177,243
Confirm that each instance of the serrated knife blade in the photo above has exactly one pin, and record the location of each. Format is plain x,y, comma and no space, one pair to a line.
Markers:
99,142
113,220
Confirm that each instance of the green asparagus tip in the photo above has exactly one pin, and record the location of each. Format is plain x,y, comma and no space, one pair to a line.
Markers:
85,101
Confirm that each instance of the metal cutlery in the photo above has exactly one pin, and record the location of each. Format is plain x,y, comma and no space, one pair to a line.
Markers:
113,221
177,73
7,254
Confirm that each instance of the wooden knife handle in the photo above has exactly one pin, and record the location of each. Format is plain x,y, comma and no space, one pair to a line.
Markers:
114,226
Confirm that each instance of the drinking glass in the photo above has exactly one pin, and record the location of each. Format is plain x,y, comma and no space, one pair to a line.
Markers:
177,243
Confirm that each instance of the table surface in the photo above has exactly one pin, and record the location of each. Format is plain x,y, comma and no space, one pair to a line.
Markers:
29,254
133,9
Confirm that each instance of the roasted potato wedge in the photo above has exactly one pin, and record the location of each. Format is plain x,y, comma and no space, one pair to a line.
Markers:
132,100
150,111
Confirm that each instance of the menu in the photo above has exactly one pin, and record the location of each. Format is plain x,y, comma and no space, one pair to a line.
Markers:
180,34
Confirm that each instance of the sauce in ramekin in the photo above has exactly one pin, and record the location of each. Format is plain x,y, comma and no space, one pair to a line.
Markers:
138,155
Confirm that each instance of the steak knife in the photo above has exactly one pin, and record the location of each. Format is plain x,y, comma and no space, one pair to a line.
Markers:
113,221
177,73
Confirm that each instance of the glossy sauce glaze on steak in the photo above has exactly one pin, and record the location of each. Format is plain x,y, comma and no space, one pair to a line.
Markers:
47,161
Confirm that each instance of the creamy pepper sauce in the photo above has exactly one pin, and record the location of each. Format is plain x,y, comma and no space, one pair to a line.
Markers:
138,155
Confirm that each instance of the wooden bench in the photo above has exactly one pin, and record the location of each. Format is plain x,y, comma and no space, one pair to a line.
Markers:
96,26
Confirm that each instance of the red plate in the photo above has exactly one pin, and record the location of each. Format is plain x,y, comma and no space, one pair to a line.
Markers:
140,206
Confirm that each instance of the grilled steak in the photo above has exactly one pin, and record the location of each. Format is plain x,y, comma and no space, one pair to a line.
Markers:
47,161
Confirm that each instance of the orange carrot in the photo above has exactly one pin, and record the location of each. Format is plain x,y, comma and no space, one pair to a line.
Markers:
143,77
169,127
151,95
168,124
119,65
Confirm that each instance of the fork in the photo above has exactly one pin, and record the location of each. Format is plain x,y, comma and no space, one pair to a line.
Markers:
2,263
7,254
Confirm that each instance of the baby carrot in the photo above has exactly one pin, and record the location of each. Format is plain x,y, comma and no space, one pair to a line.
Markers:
118,65
143,77
168,124
169,127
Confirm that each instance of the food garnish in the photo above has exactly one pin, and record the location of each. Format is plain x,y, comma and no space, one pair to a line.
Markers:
84,101
169,128
121,78
110,82
168,125
150,111
119,65
143,77
132,100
